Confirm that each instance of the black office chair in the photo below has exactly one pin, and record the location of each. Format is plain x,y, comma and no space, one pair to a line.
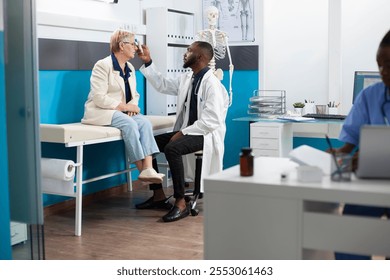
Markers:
192,196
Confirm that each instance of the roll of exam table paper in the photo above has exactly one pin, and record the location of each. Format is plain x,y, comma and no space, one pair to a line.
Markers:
58,169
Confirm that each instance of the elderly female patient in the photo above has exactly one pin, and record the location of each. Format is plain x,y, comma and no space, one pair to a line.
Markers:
113,100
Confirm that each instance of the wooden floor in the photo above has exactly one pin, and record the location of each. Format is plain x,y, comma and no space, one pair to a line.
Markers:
114,230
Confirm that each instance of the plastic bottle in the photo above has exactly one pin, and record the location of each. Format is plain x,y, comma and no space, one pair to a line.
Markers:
246,162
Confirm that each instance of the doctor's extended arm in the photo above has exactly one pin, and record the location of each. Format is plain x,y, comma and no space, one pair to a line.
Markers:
151,73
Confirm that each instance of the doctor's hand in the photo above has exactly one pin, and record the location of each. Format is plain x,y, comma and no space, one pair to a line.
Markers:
176,136
144,55
355,159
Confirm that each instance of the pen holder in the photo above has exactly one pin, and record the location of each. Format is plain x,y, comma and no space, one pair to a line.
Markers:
333,110
321,109
343,170
309,108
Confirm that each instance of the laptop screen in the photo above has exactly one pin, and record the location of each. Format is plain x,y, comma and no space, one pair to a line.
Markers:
374,152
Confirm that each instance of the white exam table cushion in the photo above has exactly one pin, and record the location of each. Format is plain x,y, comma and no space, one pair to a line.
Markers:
77,132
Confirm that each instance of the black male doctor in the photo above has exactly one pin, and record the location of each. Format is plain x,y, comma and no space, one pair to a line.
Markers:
202,103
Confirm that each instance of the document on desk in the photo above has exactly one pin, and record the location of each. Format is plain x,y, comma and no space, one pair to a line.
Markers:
296,118
306,155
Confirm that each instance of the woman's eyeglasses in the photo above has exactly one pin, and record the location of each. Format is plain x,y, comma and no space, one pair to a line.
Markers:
133,44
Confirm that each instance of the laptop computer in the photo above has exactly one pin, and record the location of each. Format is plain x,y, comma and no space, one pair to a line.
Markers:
374,152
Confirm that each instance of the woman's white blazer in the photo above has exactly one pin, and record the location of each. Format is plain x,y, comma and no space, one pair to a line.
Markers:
107,92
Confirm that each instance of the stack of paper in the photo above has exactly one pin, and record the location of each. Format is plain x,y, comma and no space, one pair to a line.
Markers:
306,155
296,118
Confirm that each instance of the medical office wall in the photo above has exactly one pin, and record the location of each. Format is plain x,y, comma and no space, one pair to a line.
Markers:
287,53
64,88
70,42
312,48
64,73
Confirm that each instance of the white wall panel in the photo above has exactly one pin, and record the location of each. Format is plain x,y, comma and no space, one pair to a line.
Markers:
364,23
295,49
312,48
87,20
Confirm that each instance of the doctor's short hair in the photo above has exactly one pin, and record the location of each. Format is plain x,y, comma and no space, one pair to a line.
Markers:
119,36
385,41
207,49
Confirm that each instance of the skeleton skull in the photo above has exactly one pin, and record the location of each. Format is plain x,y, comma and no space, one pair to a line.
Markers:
212,15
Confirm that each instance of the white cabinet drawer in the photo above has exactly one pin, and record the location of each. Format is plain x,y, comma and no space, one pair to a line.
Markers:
267,144
265,132
272,139
266,153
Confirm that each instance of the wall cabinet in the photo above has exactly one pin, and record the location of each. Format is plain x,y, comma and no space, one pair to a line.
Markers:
169,33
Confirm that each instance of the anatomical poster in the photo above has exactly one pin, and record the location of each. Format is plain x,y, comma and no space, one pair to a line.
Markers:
236,18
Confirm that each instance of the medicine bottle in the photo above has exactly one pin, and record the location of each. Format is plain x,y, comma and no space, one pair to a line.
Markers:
246,162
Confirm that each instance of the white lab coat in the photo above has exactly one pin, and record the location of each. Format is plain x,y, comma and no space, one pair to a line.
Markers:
212,107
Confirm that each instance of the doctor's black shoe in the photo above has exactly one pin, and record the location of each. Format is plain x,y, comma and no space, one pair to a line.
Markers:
175,214
150,204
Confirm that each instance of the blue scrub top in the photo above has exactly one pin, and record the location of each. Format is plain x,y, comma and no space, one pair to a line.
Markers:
367,110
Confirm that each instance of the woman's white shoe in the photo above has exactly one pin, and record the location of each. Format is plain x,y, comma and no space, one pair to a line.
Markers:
150,175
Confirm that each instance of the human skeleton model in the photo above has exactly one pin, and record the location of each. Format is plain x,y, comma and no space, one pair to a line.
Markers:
217,4
219,40
244,14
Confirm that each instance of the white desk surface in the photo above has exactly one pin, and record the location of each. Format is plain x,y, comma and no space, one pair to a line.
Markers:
267,173
313,129
259,119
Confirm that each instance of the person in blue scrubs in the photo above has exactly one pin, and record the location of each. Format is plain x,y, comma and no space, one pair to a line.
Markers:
371,107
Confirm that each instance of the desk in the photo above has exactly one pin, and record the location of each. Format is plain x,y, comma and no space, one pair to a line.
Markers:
274,137
262,217
317,128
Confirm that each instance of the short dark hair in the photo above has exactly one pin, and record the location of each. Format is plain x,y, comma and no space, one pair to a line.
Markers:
385,41
206,48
